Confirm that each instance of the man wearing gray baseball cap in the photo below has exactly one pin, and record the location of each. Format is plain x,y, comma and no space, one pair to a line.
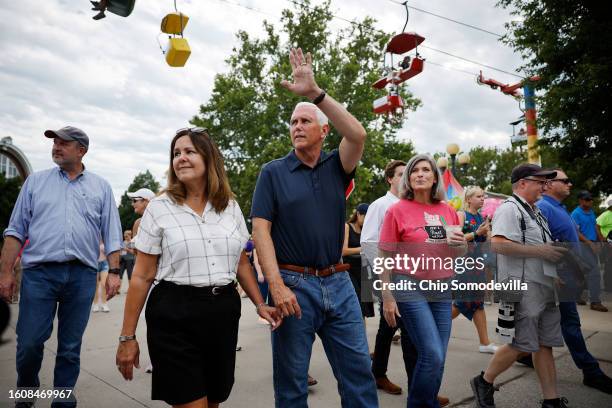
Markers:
63,212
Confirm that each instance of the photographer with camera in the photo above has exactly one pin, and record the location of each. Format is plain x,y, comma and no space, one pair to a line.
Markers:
522,240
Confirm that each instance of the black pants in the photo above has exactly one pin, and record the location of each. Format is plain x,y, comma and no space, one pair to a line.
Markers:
126,265
382,348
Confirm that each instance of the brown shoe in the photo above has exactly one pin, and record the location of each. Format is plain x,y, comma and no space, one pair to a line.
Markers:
598,307
311,381
387,386
443,401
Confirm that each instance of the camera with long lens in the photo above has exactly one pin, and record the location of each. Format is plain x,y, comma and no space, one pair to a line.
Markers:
505,328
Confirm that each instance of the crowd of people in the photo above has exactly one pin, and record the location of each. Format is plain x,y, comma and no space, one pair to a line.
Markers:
190,248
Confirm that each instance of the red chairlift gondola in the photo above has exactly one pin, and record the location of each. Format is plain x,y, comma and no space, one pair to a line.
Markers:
409,66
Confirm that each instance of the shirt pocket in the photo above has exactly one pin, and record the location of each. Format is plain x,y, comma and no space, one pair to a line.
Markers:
89,206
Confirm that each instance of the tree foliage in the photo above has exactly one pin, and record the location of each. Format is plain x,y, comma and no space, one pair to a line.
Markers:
126,212
248,112
569,44
10,190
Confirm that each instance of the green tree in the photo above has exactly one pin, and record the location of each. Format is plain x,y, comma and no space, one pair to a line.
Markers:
248,112
569,44
10,190
126,212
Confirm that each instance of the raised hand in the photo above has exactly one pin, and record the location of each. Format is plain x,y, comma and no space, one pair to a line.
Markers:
303,77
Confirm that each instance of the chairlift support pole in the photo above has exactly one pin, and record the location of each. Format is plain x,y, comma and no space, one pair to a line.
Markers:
533,154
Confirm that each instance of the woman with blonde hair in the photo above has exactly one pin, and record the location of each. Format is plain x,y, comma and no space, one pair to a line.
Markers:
190,242
476,229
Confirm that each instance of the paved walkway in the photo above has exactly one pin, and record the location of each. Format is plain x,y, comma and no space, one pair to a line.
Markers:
100,384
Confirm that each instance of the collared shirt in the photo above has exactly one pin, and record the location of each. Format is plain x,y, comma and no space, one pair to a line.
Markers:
562,226
507,223
306,207
370,232
586,223
605,223
195,250
64,219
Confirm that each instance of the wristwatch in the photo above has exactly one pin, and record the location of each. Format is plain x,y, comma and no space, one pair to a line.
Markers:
115,271
123,339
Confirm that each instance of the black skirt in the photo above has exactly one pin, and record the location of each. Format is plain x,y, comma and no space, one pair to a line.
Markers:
192,336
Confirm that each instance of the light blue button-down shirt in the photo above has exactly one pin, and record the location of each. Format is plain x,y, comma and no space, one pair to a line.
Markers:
65,219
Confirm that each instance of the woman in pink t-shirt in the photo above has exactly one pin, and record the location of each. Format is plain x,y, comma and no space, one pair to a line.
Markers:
424,233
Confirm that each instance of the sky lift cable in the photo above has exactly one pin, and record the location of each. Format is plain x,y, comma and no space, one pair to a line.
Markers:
433,49
449,19
379,31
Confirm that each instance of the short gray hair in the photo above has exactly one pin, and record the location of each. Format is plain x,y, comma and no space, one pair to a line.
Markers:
320,115
437,190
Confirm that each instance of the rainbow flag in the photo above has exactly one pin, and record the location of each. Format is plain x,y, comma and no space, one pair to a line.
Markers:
454,191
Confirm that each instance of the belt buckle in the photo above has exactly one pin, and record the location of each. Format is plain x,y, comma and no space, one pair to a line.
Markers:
216,290
332,269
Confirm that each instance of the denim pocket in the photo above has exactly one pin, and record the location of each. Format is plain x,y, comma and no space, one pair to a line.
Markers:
291,280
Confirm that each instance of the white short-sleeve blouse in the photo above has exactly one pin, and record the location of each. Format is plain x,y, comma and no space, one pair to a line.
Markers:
194,250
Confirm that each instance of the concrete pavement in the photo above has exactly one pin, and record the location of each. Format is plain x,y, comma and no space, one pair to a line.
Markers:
100,384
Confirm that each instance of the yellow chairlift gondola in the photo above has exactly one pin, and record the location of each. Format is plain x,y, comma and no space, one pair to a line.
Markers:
178,51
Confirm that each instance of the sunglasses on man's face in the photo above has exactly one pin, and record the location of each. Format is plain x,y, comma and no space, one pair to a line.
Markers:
136,200
563,180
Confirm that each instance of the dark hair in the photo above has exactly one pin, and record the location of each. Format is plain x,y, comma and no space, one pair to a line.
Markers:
217,189
390,168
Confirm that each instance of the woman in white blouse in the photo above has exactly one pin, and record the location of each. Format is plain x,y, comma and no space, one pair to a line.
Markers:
190,242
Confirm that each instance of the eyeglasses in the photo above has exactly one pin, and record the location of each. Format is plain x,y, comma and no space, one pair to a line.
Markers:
185,131
542,182
563,180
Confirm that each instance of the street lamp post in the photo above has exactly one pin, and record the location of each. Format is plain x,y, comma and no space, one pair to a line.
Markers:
452,149
442,163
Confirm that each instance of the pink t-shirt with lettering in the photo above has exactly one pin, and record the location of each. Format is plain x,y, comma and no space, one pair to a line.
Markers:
417,230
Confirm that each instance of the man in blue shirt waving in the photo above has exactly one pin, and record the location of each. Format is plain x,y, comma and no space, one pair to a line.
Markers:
64,212
298,226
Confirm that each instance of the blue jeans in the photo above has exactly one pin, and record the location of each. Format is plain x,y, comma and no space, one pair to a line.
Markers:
429,326
330,308
572,334
65,288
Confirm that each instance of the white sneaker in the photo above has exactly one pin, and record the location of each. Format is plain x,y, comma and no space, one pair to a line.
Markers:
105,308
489,348
95,308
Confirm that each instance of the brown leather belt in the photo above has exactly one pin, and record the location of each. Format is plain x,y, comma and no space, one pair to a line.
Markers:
314,271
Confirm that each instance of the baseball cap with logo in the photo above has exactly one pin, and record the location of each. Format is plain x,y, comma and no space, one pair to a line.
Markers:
142,193
528,170
69,133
